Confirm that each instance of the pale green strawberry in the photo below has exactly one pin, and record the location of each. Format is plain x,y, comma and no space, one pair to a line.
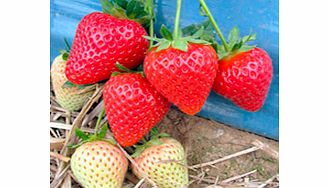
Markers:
99,164
165,164
70,98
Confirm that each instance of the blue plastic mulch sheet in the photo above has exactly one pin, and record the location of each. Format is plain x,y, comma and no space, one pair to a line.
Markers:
260,16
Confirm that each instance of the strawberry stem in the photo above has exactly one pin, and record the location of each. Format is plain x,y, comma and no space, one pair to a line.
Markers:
212,20
150,10
176,29
100,117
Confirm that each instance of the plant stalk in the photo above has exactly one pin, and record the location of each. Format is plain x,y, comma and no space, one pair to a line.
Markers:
212,20
176,29
150,10
100,117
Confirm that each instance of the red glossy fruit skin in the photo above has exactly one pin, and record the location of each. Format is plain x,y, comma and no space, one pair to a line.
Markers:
245,78
100,41
133,107
184,78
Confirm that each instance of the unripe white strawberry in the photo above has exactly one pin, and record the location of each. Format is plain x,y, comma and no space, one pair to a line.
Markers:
99,164
164,163
70,98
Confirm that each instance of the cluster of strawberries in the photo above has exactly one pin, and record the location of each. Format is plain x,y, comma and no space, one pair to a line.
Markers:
179,70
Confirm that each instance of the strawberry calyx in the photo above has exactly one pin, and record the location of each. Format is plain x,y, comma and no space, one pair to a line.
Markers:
154,141
65,52
125,70
180,42
176,39
129,9
236,43
207,35
98,135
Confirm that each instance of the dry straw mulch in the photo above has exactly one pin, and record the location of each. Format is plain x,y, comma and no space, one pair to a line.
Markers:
62,124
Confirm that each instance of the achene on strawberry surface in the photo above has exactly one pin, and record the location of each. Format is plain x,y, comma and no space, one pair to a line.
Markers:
133,107
184,78
164,163
100,41
245,78
99,164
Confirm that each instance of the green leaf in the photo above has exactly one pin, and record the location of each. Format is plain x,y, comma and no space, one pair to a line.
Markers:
180,45
197,41
102,132
128,9
153,38
163,135
208,33
134,8
237,46
67,44
121,3
112,8
81,134
122,68
68,84
202,11
233,37
165,33
221,52
83,86
65,54
73,146
154,142
163,45
198,33
248,38
115,73
154,131
138,150
140,67
246,48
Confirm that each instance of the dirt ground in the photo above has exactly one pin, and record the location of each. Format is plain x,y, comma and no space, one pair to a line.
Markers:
206,140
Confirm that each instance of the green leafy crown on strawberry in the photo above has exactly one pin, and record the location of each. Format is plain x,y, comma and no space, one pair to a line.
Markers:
98,135
179,42
128,9
235,43
154,141
176,39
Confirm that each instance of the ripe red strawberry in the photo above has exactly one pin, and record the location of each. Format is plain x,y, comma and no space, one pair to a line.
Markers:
99,164
100,41
163,163
184,78
245,72
182,68
245,78
133,107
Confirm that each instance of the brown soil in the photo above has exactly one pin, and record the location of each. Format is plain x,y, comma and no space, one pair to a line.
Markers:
206,140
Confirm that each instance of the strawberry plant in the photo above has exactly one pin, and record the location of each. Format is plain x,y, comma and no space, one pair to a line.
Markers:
181,68
97,162
244,72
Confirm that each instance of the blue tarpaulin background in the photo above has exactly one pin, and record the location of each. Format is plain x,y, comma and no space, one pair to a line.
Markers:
262,16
